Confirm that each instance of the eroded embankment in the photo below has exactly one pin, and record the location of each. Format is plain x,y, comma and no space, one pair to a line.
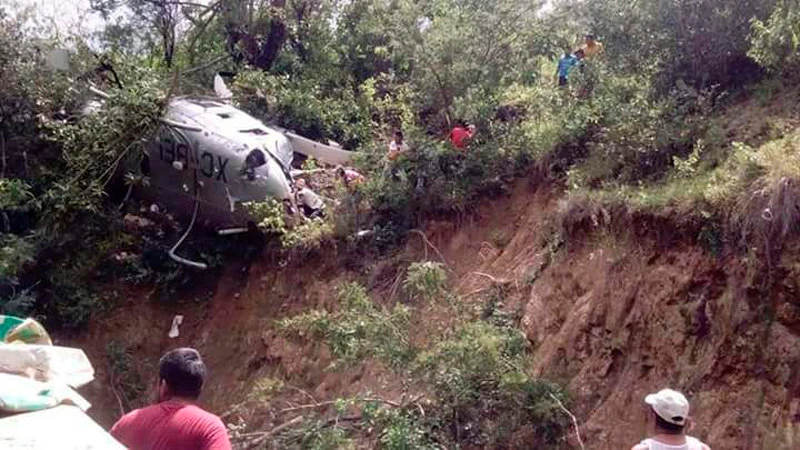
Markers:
612,317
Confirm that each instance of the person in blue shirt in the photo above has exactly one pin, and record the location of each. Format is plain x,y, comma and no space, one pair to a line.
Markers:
565,64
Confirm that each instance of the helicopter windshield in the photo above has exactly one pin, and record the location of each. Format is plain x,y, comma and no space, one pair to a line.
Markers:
253,160
282,150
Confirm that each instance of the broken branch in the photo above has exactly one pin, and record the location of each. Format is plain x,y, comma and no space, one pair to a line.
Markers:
261,436
427,242
571,416
331,402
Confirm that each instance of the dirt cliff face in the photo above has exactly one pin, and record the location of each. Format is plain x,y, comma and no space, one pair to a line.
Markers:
618,323
613,318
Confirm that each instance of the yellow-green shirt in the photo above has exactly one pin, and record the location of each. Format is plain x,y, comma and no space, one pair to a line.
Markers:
592,50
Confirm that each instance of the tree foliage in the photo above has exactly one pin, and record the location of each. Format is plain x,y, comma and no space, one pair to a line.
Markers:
352,72
425,279
702,42
775,42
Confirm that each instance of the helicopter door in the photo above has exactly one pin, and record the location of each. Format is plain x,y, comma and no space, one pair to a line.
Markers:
171,175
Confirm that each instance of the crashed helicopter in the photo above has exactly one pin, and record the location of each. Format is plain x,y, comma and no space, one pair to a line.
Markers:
208,157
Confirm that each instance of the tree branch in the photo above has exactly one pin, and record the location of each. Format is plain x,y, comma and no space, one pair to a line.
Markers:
262,436
331,402
164,3
571,416
205,65
202,29
427,242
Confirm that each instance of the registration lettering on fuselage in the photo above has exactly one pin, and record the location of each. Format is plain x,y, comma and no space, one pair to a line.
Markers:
208,163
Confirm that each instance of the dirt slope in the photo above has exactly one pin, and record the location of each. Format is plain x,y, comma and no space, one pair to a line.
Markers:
611,318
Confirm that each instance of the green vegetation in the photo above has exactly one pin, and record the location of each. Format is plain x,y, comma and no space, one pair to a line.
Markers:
634,125
636,133
359,328
478,387
775,41
124,379
425,280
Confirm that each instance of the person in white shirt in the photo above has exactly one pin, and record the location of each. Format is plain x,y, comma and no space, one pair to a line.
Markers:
311,203
669,417
397,147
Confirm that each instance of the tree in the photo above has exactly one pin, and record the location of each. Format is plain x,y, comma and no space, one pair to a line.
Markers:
702,42
775,43
152,22
256,31
458,46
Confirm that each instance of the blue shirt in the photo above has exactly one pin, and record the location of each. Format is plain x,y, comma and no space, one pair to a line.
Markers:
565,64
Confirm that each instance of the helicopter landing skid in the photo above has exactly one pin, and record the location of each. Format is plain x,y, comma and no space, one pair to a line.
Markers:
229,231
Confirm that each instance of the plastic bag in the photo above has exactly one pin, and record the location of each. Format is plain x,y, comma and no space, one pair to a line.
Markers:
29,331
64,365
20,394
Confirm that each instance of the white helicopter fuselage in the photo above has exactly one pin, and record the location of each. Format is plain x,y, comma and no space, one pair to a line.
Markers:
210,153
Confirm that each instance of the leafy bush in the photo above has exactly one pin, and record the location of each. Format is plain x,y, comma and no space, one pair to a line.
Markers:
19,304
315,435
752,195
13,193
775,43
125,380
482,369
15,252
702,42
60,168
308,235
305,106
403,432
425,280
94,147
480,390
268,215
358,328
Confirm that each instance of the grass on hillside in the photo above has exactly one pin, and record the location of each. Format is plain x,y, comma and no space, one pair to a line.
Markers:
753,189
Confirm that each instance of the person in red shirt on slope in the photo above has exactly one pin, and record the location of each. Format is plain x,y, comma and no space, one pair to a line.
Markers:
175,422
461,134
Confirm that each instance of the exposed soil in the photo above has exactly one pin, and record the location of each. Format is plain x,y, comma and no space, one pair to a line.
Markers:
612,318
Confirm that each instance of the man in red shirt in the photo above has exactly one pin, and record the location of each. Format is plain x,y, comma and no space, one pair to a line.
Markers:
174,423
460,135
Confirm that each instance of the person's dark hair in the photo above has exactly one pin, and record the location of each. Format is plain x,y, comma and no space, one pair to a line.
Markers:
667,427
340,171
580,54
183,371
589,36
398,133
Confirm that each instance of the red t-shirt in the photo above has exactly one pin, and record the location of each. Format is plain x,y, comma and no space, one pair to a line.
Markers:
171,425
459,137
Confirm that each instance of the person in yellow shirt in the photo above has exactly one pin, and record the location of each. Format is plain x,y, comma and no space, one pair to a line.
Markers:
591,46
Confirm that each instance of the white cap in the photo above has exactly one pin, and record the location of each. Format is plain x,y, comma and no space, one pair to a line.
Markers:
670,405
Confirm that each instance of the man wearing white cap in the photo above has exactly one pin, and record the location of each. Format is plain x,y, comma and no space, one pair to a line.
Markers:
670,412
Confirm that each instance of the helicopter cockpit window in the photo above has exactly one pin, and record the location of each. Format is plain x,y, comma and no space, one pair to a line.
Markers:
253,160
